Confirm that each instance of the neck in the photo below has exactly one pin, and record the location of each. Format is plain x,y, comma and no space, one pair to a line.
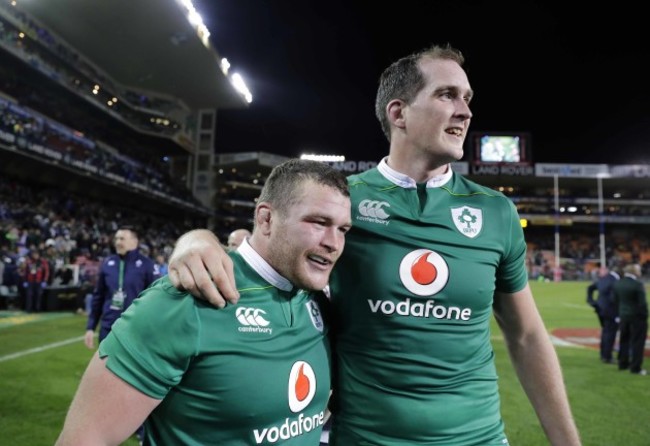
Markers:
125,253
420,169
259,244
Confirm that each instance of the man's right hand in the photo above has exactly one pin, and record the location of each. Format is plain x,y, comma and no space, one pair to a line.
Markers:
200,265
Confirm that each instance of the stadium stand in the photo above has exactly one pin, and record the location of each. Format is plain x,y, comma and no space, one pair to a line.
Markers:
98,129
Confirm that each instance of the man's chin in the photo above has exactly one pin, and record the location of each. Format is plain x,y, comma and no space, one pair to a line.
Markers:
314,283
456,154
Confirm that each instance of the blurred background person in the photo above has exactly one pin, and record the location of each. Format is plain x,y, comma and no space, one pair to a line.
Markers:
122,276
630,296
236,237
36,275
161,265
607,311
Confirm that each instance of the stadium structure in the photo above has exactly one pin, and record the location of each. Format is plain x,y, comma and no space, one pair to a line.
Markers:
98,99
577,216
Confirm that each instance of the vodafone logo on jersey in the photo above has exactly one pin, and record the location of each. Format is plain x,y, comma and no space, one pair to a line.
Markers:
302,386
423,272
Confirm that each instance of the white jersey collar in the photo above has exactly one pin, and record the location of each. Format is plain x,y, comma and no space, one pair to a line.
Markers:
407,182
262,267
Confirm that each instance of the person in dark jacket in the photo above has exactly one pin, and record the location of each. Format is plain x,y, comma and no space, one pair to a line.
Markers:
122,277
607,311
630,295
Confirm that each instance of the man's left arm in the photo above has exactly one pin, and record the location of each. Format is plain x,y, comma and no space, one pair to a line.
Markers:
590,294
536,364
105,409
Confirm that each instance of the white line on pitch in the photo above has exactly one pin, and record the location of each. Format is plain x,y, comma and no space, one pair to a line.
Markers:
40,349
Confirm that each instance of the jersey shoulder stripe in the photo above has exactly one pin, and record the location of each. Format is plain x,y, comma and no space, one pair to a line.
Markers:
461,186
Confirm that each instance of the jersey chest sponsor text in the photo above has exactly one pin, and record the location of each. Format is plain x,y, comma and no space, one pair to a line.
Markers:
424,273
426,309
291,428
301,387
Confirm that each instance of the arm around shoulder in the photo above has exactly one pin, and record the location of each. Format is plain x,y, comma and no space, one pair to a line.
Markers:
201,266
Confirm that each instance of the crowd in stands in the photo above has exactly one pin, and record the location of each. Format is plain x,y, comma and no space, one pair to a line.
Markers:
580,250
45,53
57,108
50,106
26,130
70,232
238,192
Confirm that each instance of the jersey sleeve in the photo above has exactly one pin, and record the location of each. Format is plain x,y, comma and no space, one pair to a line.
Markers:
511,275
151,345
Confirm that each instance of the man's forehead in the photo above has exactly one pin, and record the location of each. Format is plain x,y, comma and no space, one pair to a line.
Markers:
311,189
314,195
441,73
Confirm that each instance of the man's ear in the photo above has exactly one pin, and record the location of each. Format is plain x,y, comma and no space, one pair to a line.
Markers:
395,113
263,217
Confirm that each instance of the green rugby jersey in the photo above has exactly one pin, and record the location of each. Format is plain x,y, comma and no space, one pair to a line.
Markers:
412,299
252,373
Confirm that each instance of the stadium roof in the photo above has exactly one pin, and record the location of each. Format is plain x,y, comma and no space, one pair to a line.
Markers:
146,45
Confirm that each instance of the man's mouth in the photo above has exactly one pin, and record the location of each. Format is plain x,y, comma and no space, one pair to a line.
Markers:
319,259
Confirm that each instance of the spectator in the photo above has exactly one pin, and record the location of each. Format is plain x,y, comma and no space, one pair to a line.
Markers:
236,237
607,311
122,277
629,293
36,275
161,265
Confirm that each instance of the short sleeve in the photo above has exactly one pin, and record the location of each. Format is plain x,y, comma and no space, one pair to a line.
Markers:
511,275
151,345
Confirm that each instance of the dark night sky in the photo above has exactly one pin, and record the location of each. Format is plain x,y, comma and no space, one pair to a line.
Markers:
578,80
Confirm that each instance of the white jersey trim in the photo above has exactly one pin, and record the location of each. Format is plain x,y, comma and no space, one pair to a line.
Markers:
407,182
262,267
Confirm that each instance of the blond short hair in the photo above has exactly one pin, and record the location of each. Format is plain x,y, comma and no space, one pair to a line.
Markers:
633,268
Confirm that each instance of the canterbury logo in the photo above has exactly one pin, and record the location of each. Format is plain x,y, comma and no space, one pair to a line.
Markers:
373,211
252,320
